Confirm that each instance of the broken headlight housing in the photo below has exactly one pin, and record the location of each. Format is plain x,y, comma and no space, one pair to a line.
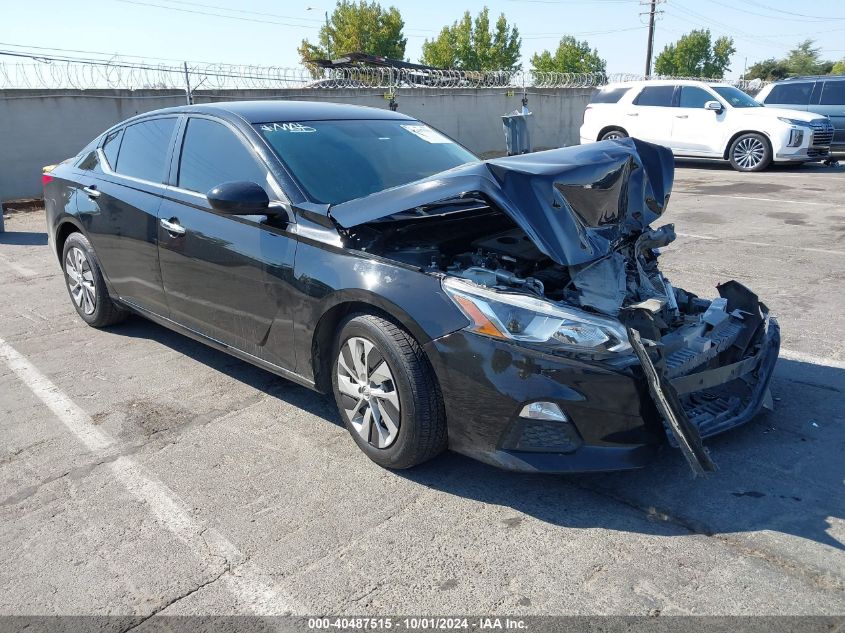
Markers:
522,318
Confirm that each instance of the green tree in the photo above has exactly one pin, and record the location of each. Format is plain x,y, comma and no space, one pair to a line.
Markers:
838,68
571,56
468,45
358,27
769,70
693,55
804,59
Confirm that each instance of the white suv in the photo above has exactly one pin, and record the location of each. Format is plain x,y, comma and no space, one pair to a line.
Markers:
701,120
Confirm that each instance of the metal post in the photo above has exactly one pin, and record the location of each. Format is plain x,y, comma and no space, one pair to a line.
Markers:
328,38
650,49
188,95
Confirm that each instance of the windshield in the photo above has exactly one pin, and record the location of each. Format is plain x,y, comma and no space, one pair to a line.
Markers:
336,161
736,97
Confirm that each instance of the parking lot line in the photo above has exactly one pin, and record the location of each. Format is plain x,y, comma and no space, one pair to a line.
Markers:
810,249
248,583
724,195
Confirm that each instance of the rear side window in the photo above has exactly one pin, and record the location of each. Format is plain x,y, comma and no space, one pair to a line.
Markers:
656,96
212,155
608,95
111,146
694,97
793,93
833,93
143,150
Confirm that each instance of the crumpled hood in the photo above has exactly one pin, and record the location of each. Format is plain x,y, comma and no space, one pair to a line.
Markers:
574,203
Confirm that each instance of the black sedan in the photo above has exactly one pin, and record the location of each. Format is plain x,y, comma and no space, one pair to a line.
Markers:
510,309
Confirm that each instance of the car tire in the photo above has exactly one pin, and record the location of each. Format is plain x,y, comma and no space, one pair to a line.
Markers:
614,134
395,413
750,152
86,284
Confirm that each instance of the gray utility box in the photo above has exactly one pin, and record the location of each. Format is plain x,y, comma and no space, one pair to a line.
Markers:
517,127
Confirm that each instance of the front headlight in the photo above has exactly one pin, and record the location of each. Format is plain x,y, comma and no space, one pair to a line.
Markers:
794,122
518,317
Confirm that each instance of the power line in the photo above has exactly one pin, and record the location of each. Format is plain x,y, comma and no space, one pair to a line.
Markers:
800,15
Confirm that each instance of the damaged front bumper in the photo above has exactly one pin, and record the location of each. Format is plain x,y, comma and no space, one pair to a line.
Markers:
614,417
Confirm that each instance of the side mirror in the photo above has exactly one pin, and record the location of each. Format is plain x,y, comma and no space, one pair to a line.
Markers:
713,105
239,198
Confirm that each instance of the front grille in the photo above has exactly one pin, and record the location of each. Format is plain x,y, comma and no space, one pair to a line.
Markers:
822,133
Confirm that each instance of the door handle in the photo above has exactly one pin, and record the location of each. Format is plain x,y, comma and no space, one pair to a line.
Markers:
91,191
681,116
172,226
632,114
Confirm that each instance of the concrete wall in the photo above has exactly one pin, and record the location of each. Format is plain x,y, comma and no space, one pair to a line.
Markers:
39,127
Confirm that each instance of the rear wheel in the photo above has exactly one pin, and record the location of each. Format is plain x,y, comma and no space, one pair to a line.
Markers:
86,285
614,134
386,393
750,152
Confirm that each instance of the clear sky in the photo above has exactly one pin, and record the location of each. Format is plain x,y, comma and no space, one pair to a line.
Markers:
267,32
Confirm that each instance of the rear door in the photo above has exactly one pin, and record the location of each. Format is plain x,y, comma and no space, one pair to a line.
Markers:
120,205
832,104
694,129
649,117
227,277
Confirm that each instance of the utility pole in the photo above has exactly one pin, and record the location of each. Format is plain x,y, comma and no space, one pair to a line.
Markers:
650,48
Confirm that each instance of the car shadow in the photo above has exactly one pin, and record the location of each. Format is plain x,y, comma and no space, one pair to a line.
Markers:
705,164
23,238
782,471
315,403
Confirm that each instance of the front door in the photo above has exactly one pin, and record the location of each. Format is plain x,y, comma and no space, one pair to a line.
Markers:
694,129
227,277
832,104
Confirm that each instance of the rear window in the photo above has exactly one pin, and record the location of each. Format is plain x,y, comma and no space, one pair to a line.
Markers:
608,95
833,93
143,151
656,96
793,93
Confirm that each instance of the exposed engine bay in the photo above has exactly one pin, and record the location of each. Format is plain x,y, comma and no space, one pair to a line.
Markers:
502,257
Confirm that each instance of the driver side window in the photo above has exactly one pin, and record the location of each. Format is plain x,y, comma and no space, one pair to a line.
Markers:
694,97
212,155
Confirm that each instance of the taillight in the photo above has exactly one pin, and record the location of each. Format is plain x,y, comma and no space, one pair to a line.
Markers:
45,178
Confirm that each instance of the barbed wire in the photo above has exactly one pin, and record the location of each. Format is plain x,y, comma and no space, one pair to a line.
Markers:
66,73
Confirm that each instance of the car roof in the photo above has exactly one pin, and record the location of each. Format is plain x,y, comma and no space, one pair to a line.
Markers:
663,82
269,111
806,77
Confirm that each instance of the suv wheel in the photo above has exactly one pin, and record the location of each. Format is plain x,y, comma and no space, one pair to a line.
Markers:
386,393
614,134
750,152
86,285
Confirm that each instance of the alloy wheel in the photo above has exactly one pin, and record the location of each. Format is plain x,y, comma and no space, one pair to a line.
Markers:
749,152
80,280
611,136
369,394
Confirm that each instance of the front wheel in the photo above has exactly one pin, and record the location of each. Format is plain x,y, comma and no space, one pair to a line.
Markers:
387,393
750,152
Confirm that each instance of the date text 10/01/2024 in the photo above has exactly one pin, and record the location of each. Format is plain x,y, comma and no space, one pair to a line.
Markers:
417,623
